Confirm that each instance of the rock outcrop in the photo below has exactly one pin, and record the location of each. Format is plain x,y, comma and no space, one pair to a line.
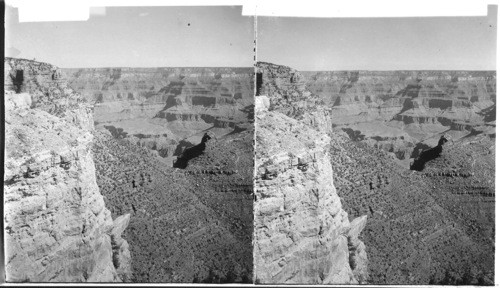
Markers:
302,234
57,228
286,88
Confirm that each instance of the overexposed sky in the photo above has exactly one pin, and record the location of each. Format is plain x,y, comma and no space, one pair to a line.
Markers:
221,36
415,43
137,37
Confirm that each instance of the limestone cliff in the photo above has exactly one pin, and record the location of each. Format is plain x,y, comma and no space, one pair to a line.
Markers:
302,234
57,228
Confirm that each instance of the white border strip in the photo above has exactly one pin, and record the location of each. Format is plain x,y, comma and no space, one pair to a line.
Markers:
78,10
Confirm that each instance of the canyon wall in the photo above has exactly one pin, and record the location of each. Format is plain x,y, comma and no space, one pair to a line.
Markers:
396,110
385,89
57,228
429,227
167,109
301,233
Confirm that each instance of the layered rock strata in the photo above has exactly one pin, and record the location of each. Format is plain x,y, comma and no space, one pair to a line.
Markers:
302,234
164,109
429,227
286,88
420,104
57,228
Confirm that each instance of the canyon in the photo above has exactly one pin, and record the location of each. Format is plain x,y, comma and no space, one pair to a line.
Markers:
429,226
174,149
404,111
186,225
57,227
148,174
167,109
91,191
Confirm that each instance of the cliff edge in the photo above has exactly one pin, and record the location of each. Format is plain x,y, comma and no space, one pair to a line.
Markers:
57,228
301,233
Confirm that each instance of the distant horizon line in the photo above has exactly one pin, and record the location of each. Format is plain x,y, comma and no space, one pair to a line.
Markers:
333,70
375,70
254,66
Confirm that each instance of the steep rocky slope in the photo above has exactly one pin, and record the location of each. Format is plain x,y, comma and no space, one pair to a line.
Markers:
302,234
397,111
423,226
429,227
187,225
166,109
57,228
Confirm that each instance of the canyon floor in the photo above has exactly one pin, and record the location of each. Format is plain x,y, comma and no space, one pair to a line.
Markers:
174,149
431,223
147,175
430,226
431,208
187,225
162,157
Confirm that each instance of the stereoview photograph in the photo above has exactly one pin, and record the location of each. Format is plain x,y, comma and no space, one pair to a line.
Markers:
194,144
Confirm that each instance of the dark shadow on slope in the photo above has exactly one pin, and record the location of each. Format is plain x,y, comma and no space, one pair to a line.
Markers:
259,83
418,149
355,135
489,113
236,130
192,152
250,110
117,133
428,155
18,80
182,146
407,105
473,133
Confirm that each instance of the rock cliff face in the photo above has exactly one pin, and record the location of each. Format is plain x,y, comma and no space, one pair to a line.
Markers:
166,109
429,227
302,234
57,227
418,103
289,95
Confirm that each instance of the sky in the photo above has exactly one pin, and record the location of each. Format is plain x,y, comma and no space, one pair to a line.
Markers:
417,43
137,37
221,36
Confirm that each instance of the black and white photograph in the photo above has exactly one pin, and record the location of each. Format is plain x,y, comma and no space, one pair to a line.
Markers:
249,143
375,150
128,148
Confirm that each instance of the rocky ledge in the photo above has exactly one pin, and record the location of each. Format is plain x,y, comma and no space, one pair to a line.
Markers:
302,234
57,228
